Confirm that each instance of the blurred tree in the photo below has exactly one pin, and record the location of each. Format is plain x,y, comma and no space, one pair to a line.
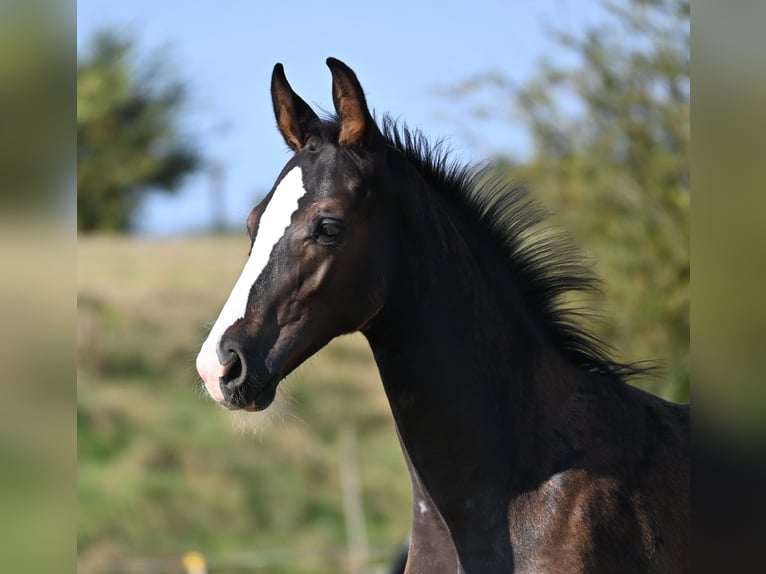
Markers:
36,103
128,140
611,157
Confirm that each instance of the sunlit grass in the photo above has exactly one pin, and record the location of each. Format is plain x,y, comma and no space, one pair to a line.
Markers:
163,470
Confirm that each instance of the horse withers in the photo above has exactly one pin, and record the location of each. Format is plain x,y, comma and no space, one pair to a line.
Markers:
527,449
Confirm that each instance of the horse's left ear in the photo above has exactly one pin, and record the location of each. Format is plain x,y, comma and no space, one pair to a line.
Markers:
357,128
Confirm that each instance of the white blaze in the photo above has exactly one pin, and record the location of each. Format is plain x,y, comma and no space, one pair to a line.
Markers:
272,226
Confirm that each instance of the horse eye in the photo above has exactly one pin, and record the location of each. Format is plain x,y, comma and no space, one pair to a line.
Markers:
329,231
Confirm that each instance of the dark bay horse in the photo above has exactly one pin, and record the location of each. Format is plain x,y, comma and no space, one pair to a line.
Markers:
527,449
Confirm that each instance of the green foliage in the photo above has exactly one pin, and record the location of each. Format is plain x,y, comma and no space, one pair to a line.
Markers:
128,139
36,103
611,159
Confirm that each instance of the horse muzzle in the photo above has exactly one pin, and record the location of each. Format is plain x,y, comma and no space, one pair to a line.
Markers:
233,380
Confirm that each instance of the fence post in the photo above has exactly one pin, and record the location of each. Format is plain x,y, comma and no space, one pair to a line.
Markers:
353,508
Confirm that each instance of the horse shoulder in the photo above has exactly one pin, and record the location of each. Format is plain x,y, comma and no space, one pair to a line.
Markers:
619,499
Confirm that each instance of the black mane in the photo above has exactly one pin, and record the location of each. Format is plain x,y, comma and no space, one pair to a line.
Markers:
547,264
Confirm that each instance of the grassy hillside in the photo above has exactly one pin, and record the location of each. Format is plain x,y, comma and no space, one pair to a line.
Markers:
163,470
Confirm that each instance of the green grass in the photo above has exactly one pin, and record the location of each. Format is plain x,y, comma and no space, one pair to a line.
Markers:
162,470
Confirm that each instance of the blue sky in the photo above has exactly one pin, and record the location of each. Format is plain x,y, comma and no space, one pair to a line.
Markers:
403,53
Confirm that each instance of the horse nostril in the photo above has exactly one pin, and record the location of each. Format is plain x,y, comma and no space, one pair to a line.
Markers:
232,359
234,371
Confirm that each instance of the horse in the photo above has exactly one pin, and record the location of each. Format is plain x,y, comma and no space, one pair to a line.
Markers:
527,448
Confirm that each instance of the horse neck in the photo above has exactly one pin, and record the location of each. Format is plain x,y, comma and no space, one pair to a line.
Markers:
468,374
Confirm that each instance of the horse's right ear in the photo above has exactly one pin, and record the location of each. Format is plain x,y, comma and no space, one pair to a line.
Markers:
292,113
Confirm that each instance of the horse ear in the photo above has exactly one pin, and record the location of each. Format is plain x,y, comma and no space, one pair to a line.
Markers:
292,113
356,124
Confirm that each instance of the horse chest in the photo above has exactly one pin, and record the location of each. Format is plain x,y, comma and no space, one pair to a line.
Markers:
431,546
